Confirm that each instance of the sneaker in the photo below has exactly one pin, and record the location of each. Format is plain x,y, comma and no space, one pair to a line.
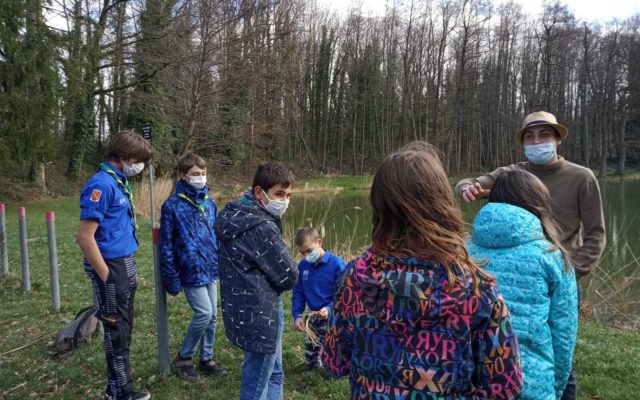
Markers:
212,369
144,395
134,396
186,370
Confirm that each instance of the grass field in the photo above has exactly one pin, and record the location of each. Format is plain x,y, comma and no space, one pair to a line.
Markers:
607,359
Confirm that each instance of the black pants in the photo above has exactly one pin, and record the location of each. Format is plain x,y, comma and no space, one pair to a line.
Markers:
571,390
312,349
115,309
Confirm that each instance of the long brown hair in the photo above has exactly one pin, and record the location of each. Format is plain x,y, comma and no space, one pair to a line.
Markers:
523,189
415,214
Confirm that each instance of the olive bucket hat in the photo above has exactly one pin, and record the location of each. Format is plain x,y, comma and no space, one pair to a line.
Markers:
542,118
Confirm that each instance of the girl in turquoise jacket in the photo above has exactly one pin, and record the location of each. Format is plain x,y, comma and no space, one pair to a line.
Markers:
516,239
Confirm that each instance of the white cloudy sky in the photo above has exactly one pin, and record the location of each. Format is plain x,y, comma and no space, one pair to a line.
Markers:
589,10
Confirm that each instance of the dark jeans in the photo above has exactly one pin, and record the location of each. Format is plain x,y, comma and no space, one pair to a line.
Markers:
115,309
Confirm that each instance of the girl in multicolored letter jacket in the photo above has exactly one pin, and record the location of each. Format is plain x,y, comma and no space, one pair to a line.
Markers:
401,334
414,317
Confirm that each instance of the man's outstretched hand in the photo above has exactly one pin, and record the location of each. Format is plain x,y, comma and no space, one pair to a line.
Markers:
474,192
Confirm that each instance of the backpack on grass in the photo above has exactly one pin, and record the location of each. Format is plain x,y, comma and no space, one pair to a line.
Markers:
80,329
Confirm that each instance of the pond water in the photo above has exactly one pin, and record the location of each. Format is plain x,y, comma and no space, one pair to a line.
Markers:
346,217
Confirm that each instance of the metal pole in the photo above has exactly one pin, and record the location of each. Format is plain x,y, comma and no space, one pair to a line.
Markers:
151,195
24,250
4,255
162,320
53,261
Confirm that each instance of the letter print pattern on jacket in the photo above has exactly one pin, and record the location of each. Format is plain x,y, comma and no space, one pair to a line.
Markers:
400,333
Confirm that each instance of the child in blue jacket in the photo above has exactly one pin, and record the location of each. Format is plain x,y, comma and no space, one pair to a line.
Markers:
515,236
189,261
107,236
319,271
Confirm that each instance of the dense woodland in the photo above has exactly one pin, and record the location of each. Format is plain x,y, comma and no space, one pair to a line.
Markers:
247,80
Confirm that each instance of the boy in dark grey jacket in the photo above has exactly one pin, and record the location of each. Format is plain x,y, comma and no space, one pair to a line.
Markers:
255,268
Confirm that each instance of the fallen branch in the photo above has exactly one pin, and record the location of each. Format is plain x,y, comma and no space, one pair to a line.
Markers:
26,345
17,387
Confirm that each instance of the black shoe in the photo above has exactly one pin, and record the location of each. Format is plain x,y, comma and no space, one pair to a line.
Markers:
144,395
186,370
212,369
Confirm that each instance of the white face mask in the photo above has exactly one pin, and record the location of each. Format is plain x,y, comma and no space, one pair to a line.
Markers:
133,169
198,182
275,207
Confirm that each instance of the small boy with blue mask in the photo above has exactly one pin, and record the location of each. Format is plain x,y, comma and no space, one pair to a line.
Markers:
319,270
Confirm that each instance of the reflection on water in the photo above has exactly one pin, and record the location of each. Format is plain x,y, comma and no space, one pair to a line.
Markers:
346,218
621,211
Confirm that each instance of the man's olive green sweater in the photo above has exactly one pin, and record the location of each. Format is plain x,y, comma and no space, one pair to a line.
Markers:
576,204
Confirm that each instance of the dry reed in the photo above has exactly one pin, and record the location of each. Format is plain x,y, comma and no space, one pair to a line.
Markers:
313,337
163,187
614,297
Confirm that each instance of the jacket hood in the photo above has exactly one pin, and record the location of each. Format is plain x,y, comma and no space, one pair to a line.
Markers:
504,225
242,215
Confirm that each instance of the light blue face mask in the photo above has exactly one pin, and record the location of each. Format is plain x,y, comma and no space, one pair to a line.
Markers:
312,257
541,153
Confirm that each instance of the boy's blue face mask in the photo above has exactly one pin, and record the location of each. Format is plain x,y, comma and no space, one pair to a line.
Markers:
312,257
540,154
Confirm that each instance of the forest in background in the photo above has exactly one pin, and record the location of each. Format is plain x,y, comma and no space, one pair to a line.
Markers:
241,81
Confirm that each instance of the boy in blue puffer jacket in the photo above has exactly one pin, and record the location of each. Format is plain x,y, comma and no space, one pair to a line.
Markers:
189,261
516,238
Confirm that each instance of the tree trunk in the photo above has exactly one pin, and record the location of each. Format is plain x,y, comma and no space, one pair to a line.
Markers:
620,146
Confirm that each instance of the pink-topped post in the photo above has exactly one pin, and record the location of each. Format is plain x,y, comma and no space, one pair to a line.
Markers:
4,255
24,250
53,261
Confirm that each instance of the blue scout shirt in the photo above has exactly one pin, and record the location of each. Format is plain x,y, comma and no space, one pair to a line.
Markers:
103,201
315,287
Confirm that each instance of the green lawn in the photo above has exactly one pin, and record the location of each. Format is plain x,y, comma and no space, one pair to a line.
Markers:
607,359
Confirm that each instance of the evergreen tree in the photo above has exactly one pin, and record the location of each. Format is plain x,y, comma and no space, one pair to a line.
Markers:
28,85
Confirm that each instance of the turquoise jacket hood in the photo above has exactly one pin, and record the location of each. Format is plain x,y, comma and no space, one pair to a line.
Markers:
504,225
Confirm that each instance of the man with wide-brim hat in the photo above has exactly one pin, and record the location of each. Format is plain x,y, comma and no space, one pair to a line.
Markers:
576,200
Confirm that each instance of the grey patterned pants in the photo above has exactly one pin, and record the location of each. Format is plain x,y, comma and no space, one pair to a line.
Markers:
312,350
114,299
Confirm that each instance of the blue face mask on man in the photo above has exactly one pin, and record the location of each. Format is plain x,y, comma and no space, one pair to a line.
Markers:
540,154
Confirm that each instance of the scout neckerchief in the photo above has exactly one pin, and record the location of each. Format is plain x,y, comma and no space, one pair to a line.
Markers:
200,206
124,186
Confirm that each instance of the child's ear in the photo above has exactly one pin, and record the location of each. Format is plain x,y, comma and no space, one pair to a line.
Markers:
320,242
